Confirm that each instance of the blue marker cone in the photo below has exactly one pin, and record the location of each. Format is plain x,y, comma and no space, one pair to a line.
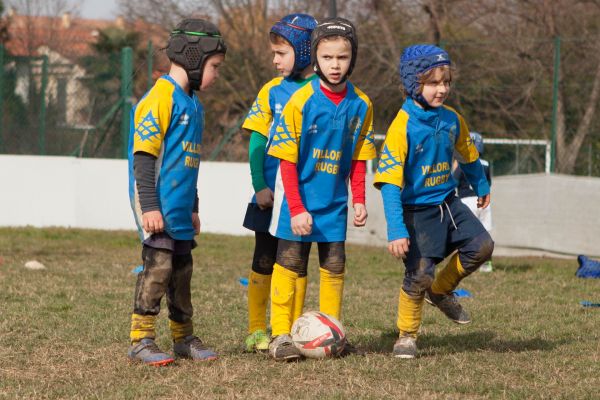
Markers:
462,293
137,269
586,303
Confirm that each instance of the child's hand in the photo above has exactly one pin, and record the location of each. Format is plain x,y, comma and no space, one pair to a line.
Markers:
152,221
302,224
399,247
360,214
483,202
196,222
264,198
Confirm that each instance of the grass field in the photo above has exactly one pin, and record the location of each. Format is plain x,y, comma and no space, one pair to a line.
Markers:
64,330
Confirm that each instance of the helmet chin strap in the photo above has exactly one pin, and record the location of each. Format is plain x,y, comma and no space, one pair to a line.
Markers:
296,74
321,75
421,100
195,79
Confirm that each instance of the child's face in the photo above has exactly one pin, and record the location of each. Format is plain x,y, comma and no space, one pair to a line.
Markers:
334,56
211,70
283,58
436,90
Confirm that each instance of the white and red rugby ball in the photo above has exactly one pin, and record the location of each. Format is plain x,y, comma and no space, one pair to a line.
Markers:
318,335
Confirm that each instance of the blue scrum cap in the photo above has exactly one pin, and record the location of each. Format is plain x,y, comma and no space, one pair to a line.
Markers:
296,29
415,61
477,141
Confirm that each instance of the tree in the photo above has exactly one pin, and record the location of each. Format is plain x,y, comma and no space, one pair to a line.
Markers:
502,52
104,84
163,12
3,25
32,9
514,70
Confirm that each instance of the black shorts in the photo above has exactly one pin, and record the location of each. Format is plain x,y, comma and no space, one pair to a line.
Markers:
436,231
163,241
257,220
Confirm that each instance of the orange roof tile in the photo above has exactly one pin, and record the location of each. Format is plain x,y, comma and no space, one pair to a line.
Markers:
71,38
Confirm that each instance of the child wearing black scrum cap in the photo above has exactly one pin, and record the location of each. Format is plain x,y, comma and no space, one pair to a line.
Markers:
425,220
290,44
323,139
164,155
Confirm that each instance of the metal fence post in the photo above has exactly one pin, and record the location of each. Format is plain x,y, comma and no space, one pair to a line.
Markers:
555,101
149,61
126,93
590,158
228,135
1,94
332,9
42,126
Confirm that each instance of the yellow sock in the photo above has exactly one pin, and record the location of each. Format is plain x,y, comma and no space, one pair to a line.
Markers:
299,296
259,287
179,330
331,290
448,278
283,286
142,327
409,313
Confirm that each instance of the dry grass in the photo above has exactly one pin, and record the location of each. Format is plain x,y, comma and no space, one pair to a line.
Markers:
64,331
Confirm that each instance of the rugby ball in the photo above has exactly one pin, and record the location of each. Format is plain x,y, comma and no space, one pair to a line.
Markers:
318,335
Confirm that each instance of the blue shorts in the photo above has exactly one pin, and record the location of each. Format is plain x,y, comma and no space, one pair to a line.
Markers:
436,231
257,220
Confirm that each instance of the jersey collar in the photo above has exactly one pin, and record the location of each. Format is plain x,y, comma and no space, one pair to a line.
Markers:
428,116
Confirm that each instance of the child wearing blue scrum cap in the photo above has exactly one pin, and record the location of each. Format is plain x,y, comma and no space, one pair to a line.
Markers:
290,45
466,194
425,220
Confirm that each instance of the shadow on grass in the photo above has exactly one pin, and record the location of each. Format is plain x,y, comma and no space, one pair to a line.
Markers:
372,344
484,340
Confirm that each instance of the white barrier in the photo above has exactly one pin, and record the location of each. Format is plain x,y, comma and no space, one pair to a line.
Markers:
93,193
553,213
532,215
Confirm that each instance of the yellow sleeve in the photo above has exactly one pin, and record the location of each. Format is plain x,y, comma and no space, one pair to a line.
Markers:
285,139
365,147
260,116
393,153
152,118
464,145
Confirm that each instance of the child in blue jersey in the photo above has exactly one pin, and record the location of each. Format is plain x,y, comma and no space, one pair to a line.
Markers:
323,138
465,193
426,221
290,44
164,155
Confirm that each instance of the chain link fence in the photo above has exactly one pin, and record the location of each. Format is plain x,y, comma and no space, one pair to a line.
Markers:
526,90
80,107
532,89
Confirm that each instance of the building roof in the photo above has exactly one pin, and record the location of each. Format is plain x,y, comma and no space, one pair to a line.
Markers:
72,37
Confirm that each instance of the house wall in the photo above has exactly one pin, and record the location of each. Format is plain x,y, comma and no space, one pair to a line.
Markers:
77,98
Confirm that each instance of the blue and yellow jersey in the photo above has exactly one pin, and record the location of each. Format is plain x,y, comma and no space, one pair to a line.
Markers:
418,151
168,123
264,115
322,139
